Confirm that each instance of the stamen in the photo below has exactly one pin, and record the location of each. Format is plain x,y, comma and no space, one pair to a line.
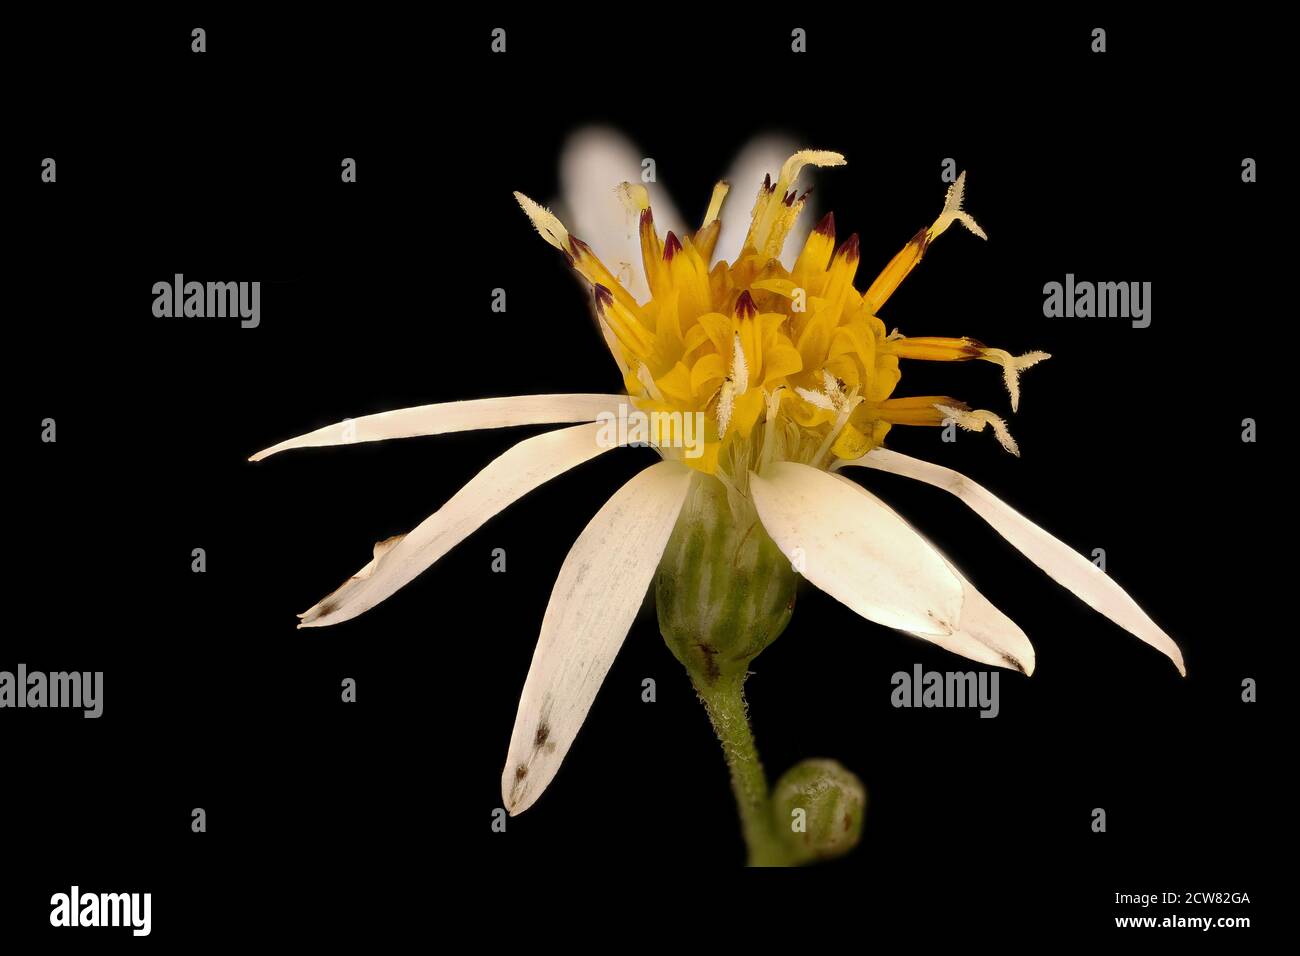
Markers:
634,196
777,207
974,420
545,222
833,387
720,191
808,157
737,383
726,402
816,399
905,261
850,402
831,398
952,211
739,370
769,427
1012,366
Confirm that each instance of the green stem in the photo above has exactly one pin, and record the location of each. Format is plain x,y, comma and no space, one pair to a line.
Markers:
725,703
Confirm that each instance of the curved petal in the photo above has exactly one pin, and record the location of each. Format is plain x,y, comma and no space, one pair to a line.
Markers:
596,596
848,543
398,560
595,162
1061,562
984,633
448,417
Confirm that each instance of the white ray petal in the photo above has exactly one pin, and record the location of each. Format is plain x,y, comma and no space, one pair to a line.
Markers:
595,599
1061,562
761,156
853,547
985,634
446,417
595,162
398,560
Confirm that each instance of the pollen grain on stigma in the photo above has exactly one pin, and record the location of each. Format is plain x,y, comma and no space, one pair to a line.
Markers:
800,349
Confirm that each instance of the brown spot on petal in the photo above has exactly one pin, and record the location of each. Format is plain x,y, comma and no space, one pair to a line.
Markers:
520,772
827,226
543,732
603,297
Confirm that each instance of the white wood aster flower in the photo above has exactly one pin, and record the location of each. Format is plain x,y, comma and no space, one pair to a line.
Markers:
746,341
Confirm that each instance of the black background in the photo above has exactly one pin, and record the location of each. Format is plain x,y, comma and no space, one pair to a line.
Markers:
327,818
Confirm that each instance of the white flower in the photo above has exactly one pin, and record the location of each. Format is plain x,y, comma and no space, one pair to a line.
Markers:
719,340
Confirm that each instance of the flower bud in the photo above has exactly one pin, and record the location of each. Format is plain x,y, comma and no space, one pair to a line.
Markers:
724,591
818,807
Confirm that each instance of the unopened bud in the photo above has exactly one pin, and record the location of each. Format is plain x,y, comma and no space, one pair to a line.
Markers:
819,807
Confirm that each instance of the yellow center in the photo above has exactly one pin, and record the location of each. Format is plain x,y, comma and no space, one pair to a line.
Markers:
799,350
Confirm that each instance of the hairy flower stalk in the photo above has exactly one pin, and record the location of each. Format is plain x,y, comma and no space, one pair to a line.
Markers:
791,374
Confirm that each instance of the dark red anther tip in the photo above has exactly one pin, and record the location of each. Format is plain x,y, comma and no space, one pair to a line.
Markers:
672,246
827,226
745,308
850,249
